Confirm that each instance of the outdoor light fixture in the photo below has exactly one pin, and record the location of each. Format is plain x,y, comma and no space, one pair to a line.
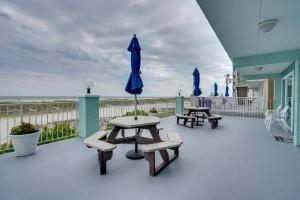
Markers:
88,84
259,68
267,25
179,92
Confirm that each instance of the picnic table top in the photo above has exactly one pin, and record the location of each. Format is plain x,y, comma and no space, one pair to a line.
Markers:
130,122
198,108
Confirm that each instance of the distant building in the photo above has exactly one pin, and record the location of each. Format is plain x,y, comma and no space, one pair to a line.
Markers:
263,88
239,87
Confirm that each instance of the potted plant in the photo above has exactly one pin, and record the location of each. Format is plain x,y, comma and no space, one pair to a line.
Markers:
25,138
153,112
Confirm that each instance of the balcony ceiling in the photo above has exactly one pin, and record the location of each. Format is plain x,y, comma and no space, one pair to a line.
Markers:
234,22
263,69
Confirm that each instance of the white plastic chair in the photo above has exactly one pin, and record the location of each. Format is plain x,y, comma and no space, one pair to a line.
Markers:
272,113
280,119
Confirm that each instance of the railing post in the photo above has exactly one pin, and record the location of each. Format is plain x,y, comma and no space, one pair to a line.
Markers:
21,112
244,106
88,115
121,107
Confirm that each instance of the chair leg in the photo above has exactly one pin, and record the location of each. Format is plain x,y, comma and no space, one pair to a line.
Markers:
283,125
269,125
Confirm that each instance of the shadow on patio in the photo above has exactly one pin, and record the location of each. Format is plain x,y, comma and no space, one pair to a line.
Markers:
238,160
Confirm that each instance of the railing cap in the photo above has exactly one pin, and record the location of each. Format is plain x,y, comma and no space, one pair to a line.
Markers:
88,95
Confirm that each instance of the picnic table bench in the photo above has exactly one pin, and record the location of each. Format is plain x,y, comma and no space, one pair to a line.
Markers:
174,142
186,119
213,120
104,149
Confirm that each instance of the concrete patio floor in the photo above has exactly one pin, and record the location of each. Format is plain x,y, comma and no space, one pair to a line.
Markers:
238,160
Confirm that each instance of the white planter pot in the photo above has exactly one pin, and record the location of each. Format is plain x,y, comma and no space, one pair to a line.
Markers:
153,114
25,145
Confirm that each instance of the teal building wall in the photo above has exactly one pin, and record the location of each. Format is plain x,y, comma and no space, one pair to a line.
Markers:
279,86
277,91
296,102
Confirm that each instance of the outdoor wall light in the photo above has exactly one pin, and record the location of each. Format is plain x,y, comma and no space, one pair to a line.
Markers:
267,25
88,84
259,68
179,92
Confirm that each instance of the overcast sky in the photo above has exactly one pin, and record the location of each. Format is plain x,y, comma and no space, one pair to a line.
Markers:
51,47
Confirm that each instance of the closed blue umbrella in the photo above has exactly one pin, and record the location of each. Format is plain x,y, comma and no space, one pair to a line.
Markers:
197,90
216,90
135,83
134,86
227,91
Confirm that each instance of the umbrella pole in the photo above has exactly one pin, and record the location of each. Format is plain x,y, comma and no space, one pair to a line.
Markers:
135,153
136,150
135,107
135,117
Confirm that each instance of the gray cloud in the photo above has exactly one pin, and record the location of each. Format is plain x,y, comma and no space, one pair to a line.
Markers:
74,52
29,45
4,15
71,40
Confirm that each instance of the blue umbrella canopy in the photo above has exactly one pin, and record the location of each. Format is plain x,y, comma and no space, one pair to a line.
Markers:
227,91
216,90
197,90
135,83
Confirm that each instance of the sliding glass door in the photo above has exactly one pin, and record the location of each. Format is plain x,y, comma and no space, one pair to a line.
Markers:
287,97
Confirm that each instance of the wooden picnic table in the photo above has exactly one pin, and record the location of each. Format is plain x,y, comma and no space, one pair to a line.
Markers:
142,123
212,119
194,110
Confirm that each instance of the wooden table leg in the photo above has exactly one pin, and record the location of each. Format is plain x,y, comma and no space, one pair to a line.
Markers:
208,113
185,120
113,134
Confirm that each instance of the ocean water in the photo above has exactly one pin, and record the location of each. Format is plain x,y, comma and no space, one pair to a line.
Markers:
38,98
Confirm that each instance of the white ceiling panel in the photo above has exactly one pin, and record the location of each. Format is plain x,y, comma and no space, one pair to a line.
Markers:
234,22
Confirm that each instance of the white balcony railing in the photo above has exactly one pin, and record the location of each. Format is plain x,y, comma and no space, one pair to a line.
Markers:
120,107
58,120
238,106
